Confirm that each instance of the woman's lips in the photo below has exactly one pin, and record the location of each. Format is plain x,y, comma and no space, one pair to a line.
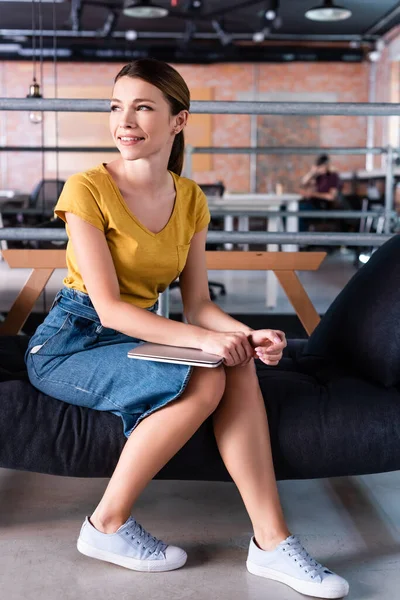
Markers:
127,141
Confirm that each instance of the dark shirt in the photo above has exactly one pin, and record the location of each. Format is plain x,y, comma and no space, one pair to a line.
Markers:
327,181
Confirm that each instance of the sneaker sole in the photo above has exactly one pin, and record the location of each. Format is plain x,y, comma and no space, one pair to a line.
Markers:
304,587
127,562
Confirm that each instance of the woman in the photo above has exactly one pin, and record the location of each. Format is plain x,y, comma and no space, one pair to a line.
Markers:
134,225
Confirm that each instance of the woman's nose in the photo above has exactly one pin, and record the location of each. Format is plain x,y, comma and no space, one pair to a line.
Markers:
128,119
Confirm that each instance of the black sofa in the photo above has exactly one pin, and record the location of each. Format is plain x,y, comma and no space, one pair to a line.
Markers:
333,402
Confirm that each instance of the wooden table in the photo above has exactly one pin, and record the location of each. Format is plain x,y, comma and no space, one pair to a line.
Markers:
252,203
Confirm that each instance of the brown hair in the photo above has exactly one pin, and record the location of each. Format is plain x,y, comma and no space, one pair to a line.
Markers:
175,90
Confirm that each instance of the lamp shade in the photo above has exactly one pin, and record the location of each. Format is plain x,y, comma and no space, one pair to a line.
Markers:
143,9
328,12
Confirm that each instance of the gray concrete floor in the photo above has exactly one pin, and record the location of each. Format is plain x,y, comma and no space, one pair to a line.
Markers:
350,524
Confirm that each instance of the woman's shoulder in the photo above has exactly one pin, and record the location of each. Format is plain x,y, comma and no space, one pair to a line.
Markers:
94,177
186,185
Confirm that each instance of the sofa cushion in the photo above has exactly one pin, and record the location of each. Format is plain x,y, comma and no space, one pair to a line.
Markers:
323,422
358,332
12,364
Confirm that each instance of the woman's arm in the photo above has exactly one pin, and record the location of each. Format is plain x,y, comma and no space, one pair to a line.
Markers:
330,196
306,179
198,308
98,273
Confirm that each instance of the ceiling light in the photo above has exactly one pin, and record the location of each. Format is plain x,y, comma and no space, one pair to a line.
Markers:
270,15
328,12
374,55
35,117
259,36
131,35
380,45
143,9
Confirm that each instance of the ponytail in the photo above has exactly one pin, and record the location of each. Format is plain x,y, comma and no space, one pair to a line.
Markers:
177,155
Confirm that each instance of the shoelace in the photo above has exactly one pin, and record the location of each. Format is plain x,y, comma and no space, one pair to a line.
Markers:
149,542
299,554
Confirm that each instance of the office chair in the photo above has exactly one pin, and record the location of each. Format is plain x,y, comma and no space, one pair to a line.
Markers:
44,197
45,194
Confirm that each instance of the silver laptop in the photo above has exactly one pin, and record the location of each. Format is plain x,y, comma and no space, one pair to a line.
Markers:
175,354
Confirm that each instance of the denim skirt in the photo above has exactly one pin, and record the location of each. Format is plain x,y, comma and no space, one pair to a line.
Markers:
73,358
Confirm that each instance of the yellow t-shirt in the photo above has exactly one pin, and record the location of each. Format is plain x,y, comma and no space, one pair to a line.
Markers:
145,262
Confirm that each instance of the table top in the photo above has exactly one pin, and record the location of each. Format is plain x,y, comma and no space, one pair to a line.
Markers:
251,202
260,197
365,175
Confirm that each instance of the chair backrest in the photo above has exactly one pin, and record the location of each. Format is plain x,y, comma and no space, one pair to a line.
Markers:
213,189
45,194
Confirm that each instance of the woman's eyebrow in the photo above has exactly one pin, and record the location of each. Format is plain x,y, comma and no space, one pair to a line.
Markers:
133,101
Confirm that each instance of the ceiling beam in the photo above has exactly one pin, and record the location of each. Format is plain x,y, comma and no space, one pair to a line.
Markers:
75,15
374,29
68,33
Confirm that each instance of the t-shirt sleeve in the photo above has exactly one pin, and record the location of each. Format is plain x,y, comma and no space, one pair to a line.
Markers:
203,216
79,197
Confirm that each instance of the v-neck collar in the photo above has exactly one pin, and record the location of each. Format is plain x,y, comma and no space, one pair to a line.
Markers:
132,215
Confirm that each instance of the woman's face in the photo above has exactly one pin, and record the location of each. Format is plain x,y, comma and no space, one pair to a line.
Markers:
140,121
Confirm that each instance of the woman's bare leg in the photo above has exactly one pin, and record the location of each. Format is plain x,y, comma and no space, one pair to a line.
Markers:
154,442
241,431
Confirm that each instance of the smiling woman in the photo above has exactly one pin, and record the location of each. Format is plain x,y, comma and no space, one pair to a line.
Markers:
133,226
168,101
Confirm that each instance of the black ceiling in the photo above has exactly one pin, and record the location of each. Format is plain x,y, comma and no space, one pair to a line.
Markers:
95,30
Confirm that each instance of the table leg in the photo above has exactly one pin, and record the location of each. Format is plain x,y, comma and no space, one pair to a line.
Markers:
271,289
299,299
243,225
292,225
3,243
228,226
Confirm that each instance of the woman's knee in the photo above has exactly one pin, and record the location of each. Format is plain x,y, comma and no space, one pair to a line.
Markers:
207,386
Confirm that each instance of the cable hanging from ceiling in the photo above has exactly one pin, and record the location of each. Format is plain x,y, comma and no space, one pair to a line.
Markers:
34,88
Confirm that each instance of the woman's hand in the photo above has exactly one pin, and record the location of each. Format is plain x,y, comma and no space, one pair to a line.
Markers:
234,347
268,345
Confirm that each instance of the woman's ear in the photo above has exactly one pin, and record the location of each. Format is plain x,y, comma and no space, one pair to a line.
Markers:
181,120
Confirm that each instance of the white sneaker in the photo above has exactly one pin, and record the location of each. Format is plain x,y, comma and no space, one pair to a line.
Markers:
290,563
131,547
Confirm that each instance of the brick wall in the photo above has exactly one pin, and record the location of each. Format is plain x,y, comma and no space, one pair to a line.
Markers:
348,83
387,90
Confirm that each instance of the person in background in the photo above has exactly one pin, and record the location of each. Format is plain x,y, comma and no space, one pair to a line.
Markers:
320,188
397,198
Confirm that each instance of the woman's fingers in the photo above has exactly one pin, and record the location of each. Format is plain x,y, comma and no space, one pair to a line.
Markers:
270,353
240,354
269,358
270,363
